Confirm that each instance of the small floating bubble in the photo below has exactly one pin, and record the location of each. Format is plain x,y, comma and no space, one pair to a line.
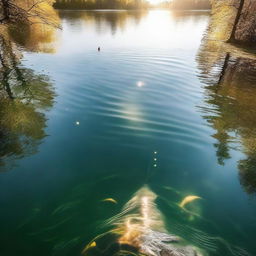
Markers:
155,159
77,123
155,165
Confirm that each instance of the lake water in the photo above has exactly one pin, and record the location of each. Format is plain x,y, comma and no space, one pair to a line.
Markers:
158,105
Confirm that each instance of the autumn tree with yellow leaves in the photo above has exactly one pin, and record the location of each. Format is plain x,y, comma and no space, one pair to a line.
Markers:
28,11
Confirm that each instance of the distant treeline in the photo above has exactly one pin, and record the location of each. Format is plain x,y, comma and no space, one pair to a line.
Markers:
191,4
101,4
130,4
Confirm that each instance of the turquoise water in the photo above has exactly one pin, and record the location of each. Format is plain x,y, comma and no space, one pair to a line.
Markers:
100,116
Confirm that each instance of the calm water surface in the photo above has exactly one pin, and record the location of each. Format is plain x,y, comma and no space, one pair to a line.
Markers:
94,120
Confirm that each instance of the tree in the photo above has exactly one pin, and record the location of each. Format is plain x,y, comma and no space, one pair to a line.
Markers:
28,12
238,15
235,20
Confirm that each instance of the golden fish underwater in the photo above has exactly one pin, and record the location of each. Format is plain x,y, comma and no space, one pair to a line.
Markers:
139,229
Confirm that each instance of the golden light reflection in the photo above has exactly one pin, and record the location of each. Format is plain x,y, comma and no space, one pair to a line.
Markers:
156,2
152,29
147,218
132,112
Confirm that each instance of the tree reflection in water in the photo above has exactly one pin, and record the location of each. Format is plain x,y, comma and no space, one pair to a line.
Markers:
24,95
230,75
105,20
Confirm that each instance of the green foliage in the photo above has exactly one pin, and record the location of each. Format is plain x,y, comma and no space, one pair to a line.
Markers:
248,174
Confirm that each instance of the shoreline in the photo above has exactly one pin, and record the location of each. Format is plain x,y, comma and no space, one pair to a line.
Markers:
125,10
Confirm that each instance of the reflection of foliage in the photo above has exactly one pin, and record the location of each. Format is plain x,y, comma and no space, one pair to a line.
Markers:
112,19
191,4
230,75
101,4
247,169
34,38
23,96
21,130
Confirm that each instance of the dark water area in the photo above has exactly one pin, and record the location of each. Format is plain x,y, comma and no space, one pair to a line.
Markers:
82,131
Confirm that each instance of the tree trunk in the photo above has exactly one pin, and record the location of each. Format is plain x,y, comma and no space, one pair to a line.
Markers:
238,15
223,71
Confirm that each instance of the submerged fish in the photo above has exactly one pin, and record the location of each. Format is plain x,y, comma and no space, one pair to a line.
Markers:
110,200
90,245
139,229
188,199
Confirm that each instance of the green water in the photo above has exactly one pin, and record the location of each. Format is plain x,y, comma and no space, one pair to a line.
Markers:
79,126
